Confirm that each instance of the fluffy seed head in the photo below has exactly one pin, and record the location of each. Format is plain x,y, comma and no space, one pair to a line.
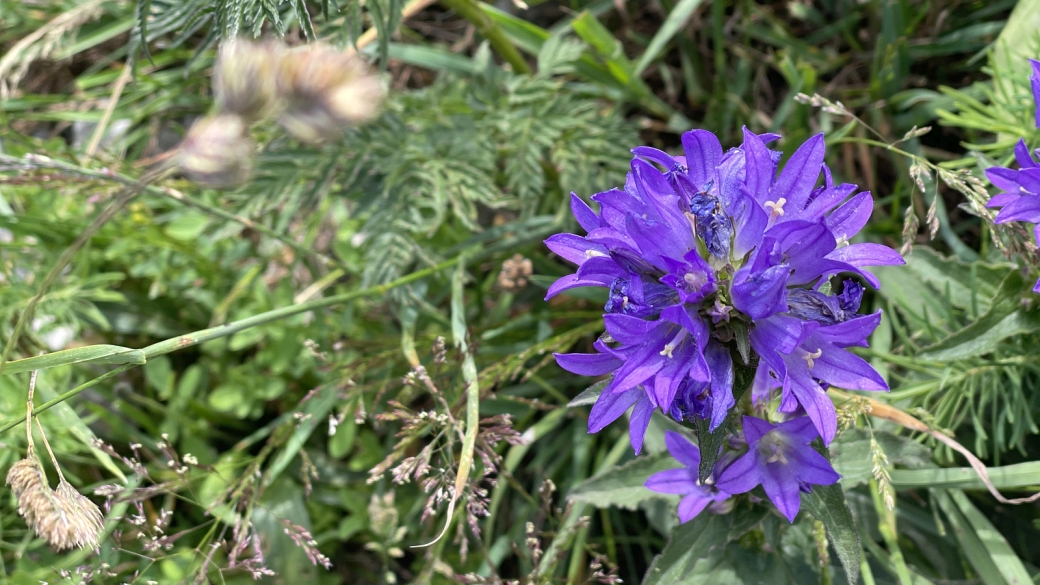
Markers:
325,90
217,152
244,79
64,517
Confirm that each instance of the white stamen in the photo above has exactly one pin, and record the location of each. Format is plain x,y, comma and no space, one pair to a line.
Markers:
674,343
624,302
842,242
809,357
778,455
594,254
776,208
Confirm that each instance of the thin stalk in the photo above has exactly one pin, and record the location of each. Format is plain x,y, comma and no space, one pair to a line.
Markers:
197,337
123,197
489,29
42,162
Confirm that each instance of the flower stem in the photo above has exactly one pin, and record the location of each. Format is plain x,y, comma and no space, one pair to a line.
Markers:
470,10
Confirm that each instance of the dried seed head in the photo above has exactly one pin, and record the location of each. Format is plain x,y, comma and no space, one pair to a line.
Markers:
217,152
324,91
515,272
244,79
64,517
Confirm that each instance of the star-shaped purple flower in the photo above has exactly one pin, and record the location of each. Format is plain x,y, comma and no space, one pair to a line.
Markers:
779,458
683,481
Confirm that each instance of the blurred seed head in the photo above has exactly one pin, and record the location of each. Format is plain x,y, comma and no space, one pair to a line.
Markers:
325,90
64,517
217,152
244,79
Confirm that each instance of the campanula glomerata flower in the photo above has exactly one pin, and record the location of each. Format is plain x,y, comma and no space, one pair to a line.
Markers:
683,481
779,458
712,257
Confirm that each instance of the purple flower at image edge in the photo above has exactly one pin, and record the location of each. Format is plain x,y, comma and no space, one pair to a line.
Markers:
683,481
1019,198
781,460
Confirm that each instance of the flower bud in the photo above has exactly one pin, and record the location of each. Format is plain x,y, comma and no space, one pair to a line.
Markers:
217,152
244,79
325,90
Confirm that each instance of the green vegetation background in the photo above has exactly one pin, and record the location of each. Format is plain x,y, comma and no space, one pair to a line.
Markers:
398,234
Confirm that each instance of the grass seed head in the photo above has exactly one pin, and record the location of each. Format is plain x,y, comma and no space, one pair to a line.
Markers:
217,152
244,79
325,90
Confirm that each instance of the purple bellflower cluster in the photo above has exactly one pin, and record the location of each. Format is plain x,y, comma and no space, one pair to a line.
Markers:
1019,199
713,257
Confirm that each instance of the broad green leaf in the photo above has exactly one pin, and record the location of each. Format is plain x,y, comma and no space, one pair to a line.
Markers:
696,539
589,395
851,457
972,546
1007,477
1005,318
623,486
677,18
1014,47
95,354
956,277
1008,563
827,504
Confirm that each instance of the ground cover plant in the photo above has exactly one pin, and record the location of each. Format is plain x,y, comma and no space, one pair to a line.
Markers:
564,291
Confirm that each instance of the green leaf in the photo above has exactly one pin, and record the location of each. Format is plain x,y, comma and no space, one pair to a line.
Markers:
1007,477
711,441
589,395
1005,318
972,546
698,538
94,354
623,485
673,24
1008,563
851,457
950,274
827,504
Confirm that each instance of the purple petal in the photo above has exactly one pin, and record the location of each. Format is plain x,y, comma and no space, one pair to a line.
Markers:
812,467
817,405
644,363
855,331
760,168
825,201
571,281
587,364
1035,82
693,504
800,174
1023,209
749,222
867,254
627,329
721,366
763,384
639,421
755,428
782,489
682,449
847,220
672,481
1003,178
1025,160
658,156
741,476
609,407
759,295
587,219
846,370
1002,199
703,152
573,248
1029,179
801,429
